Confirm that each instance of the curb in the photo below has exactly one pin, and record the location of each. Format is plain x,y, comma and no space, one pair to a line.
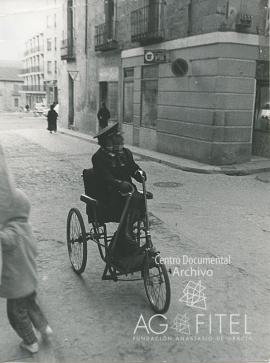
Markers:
235,170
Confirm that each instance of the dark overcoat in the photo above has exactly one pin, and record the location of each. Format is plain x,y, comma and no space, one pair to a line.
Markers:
110,170
52,119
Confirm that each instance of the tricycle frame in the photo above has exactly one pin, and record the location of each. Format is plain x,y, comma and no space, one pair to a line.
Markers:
147,255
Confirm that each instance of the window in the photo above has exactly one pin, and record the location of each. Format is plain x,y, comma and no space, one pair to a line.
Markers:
16,88
189,16
16,102
49,24
49,67
149,96
86,27
49,44
70,24
113,99
128,95
109,16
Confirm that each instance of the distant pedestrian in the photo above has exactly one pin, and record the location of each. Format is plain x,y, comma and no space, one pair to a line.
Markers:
52,119
19,272
103,116
27,108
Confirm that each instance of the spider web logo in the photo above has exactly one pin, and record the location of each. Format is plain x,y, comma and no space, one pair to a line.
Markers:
194,295
181,324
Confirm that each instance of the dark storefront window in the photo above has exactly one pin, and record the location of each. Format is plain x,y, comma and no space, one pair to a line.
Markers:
109,95
128,95
113,100
262,101
149,96
261,126
262,108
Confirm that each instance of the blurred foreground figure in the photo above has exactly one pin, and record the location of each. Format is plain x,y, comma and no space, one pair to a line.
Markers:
19,273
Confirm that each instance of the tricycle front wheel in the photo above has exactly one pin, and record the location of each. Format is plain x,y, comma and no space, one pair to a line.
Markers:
76,240
157,284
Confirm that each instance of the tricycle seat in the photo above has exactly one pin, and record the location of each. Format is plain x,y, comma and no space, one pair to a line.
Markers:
88,200
96,210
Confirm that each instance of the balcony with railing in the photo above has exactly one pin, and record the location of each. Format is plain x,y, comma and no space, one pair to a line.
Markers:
34,88
147,23
68,50
34,69
33,50
106,36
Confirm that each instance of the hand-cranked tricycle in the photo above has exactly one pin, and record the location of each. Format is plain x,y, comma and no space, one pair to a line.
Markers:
146,260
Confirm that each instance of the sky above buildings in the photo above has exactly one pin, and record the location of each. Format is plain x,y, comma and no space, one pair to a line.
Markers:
19,21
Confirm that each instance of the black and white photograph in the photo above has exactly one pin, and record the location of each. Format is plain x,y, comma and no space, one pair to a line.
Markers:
134,181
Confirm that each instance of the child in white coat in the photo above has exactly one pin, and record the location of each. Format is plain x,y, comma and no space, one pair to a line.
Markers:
19,273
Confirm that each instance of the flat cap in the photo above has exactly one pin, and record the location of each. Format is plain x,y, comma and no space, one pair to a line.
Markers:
108,131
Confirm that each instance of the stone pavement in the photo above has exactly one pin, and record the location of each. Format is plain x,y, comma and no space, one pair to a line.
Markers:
192,214
45,355
255,165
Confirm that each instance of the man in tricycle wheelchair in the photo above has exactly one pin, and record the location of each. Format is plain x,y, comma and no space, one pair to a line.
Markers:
110,182
110,196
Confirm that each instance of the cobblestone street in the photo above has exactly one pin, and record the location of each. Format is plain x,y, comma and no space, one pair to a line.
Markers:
192,215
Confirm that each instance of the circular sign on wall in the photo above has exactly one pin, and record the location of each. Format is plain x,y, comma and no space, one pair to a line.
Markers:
179,67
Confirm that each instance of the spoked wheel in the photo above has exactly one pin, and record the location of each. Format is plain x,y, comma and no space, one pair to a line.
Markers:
157,285
76,240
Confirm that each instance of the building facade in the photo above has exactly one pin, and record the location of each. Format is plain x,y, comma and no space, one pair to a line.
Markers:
42,58
183,77
52,44
33,71
10,85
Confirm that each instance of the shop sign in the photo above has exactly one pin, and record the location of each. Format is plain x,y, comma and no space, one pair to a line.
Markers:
156,56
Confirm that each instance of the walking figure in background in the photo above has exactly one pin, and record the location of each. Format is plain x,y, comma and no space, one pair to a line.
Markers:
52,119
103,116
27,108
19,272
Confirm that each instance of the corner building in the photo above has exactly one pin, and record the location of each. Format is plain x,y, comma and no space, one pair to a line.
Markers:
184,77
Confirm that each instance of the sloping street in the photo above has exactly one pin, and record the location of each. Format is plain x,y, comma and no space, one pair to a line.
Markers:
194,217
